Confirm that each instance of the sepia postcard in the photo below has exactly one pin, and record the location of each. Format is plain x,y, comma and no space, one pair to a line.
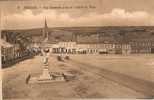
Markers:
76,49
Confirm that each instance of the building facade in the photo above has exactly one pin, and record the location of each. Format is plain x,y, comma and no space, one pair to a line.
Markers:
83,48
141,46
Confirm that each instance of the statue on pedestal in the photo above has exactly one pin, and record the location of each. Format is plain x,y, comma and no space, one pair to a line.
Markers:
45,73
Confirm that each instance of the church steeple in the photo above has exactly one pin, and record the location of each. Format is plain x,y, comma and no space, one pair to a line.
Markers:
45,25
45,30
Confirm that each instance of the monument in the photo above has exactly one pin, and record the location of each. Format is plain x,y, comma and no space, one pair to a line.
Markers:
46,75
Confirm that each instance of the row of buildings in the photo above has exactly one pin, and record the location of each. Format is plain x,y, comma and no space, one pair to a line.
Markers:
103,48
15,48
14,52
145,47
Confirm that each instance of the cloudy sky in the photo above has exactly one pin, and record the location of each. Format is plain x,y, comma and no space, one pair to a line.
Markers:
31,14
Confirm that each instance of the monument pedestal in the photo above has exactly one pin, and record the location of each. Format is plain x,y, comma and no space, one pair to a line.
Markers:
47,77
